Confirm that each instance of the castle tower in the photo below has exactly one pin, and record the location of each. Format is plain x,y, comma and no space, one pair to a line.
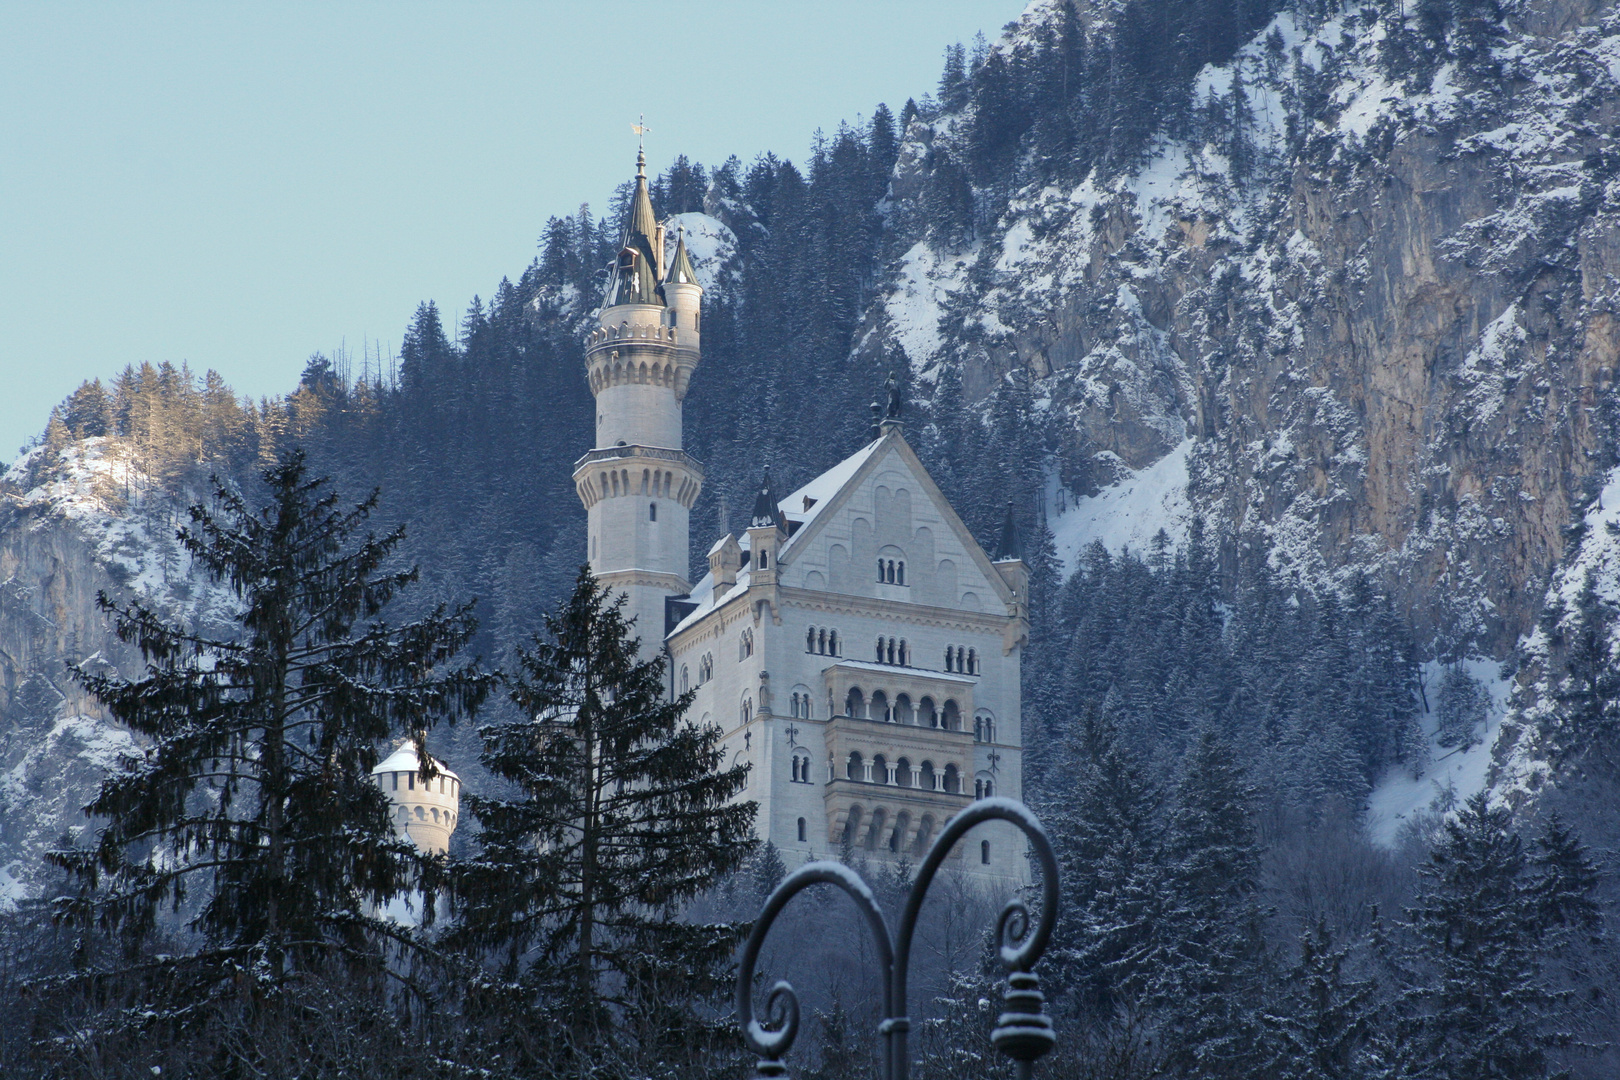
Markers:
638,485
423,811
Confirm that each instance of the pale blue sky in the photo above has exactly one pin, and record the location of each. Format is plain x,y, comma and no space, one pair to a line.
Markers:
239,185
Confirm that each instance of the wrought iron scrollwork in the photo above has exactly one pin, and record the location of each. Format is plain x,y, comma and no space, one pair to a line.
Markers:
1023,1031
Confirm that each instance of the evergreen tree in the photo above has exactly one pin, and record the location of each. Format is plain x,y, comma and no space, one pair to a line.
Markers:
619,814
1460,707
253,797
1477,1004
1326,1018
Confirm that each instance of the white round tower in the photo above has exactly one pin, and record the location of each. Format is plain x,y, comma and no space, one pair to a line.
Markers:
425,811
638,485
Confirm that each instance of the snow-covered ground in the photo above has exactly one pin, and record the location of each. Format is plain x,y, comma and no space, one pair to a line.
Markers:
1452,774
1128,512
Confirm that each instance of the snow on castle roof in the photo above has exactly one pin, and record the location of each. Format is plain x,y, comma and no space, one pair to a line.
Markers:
404,759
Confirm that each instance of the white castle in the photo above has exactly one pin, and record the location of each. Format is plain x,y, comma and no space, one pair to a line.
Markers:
857,646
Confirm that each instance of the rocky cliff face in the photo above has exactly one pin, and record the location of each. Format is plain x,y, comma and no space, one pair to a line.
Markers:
1378,304
92,525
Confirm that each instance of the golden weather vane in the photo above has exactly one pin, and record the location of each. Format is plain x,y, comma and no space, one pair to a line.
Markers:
642,130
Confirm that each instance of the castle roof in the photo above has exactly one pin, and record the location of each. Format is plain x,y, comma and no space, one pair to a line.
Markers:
766,512
680,266
636,273
404,759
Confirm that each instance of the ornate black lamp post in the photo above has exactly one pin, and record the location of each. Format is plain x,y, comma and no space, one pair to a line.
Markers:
1022,1032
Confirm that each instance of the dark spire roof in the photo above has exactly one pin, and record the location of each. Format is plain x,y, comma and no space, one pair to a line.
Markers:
1009,547
680,267
636,273
766,512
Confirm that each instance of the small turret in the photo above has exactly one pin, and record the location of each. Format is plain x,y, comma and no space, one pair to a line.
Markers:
767,532
425,811
684,296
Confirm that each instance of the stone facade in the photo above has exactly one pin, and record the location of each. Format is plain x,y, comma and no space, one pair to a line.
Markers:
857,646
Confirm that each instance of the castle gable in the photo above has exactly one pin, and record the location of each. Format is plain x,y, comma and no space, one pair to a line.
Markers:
880,505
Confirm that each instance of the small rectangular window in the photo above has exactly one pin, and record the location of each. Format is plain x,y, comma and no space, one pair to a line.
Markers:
801,830
410,781
652,511
396,780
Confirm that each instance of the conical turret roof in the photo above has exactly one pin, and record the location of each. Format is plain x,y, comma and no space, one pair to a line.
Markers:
766,511
636,273
680,267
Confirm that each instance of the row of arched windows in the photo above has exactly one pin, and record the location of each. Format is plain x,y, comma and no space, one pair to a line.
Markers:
891,571
705,672
878,831
984,727
745,645
901,711
890,653
801,768
902,773
746,712
799,705
821,641
965,661
445,818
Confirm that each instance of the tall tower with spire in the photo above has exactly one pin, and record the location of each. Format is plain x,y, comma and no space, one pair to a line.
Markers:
638,485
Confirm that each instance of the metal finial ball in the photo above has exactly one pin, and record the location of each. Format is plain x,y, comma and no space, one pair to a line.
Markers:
1023,1032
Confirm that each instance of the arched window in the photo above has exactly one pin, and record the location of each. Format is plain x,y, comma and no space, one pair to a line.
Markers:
927,716
855,769
891,650
952,720
801,830
875,833
832,642
745,646
902,772
686,676
973,662
880,571
652,511
902,825
880,769
925,833
880,650
950,657
854,704
900,572
880,706
905,660
821,646
903,712
984,852
952,781
810,640
984,726
930,781
746,711
852,825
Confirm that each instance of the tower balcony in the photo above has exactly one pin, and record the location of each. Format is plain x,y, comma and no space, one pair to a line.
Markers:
900,758
631,354
654,471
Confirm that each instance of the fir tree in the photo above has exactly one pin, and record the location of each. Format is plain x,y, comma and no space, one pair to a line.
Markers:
254,795
619,814
1477,1004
